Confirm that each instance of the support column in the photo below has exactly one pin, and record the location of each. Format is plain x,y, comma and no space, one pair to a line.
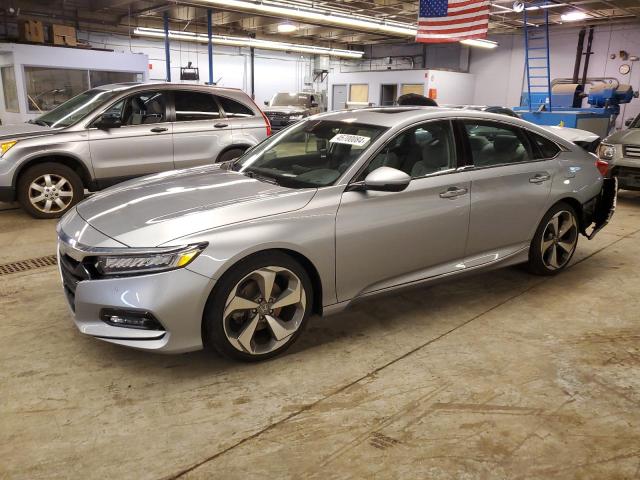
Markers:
253,77
210,43
167,51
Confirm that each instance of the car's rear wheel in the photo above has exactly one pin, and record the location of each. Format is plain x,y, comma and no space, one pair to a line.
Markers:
48,190
258,308
555,240
231,154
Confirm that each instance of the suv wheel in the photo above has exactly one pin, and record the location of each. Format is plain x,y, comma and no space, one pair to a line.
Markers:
231,154
258,308
48,190
555,240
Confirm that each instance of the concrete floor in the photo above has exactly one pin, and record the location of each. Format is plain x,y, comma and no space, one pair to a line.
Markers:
502,375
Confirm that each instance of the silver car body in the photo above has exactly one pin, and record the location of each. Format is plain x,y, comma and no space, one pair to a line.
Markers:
354,244
106,156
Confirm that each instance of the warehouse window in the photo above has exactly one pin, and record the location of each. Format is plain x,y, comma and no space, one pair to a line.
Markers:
49,87
417,88
9,88
234,109
98,78
359,92
195,106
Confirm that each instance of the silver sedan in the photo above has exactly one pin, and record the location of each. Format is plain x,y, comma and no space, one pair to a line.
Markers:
341,206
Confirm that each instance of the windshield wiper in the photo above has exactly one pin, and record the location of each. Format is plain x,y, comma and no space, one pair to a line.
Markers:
260,177
42,123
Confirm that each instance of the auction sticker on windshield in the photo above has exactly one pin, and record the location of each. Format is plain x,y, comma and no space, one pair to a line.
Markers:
346,139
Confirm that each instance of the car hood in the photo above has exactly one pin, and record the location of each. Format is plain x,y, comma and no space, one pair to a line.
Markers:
288,110
624,137
154,210
24,130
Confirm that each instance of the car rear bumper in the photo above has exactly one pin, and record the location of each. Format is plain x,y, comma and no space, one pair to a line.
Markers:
597,213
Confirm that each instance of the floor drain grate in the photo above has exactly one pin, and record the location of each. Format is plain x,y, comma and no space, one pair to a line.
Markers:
30,264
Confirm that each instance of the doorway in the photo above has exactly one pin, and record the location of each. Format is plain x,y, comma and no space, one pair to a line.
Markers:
339,97
388,94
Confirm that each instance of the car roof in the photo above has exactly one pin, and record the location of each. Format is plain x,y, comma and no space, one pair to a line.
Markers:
133,86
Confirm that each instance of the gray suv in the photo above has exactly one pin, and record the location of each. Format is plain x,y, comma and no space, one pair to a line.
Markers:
116,132
621,151
285,109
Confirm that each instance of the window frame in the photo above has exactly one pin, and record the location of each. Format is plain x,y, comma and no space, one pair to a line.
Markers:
167,110
530,134
172,109
224,112
469,155
456,150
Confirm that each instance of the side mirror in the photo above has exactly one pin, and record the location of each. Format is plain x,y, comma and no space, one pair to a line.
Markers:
387,179
266,102
107,121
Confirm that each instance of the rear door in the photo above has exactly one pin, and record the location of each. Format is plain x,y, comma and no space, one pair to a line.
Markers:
200,131
248,126
510,187
142,145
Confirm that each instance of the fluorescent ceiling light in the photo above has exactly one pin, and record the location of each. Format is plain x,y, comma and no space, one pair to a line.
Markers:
479,42
315,15
573,16
247,42
286,27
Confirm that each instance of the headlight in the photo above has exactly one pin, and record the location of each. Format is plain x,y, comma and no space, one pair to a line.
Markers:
296,117
606,151
5,146
149,261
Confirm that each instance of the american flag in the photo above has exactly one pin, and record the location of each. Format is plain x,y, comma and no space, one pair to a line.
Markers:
441,21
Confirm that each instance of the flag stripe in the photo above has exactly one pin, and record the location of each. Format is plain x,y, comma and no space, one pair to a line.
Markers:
444,35
459,27
450,20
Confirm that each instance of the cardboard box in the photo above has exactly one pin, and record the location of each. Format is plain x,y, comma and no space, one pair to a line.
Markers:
63,35
31,31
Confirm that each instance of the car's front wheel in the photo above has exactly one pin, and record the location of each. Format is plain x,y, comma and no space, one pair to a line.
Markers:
258,308
48,190
555,240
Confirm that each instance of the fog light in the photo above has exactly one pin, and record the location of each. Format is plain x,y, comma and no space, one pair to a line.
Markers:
130,319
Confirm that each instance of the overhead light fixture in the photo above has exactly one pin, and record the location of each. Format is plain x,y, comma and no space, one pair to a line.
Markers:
319,16
479,42
574,16
286,27
248,42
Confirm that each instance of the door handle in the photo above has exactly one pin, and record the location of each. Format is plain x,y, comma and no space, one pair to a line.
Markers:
159,129
221,125
453,192
539,178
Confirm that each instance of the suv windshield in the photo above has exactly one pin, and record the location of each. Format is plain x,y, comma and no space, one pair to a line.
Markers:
290,100
74,109
312,154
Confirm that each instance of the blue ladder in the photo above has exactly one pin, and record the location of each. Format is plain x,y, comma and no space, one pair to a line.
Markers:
537,64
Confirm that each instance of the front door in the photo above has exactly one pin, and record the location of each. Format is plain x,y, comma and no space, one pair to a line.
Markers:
142,145
510,186
389,238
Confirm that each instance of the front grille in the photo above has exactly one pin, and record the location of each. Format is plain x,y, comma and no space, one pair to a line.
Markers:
73,272
631,151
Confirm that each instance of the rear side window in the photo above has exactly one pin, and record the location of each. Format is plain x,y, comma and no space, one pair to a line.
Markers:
195,106
234,109
494,143
546,148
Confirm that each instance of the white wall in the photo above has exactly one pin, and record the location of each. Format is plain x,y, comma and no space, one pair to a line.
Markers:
500,72
452,87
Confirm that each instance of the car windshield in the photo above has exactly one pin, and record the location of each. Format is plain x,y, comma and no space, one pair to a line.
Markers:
311,154
289,100
74,109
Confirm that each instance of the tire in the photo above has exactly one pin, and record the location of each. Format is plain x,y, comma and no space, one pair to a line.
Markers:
549,252
57,185
258,329
231,154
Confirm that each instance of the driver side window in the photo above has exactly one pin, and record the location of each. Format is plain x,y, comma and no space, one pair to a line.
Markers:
419,151
140,109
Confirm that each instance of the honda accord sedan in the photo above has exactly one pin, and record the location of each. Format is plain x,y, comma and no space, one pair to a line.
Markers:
339,207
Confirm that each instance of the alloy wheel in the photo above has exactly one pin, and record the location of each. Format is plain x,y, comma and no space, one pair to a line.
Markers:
50,193
264,310
559,240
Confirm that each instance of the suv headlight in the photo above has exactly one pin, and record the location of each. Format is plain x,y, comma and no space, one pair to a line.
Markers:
606,151
5,146
148,261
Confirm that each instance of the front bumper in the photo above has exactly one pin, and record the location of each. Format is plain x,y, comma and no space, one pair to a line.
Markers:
279,122
175,298
628,176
